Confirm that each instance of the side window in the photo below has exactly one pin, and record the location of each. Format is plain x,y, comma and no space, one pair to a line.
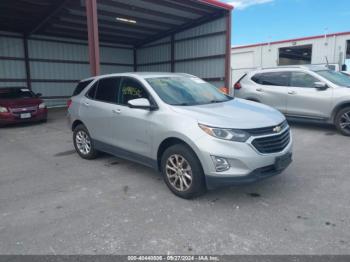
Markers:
300,79
81,86
107,90
256,78
131,89
92,91
275,78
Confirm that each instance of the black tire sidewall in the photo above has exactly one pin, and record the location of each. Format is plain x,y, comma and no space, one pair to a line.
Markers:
93,153
337,121
198,182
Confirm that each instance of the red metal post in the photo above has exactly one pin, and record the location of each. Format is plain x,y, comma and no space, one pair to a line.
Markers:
228,53
92,27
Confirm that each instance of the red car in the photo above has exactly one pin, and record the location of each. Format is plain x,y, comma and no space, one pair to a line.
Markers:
19,105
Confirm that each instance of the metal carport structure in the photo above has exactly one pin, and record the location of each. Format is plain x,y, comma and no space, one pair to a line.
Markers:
48,45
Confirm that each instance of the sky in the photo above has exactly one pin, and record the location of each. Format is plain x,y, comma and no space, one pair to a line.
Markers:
255,21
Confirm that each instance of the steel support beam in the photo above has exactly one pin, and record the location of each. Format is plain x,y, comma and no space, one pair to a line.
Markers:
135,59
93,40
228,52
26,61
172,56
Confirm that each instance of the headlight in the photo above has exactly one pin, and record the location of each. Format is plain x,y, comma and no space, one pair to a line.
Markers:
226,134
42,106
3,109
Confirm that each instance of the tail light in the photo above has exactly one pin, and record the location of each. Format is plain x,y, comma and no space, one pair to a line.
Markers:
224,90
69,102
238,85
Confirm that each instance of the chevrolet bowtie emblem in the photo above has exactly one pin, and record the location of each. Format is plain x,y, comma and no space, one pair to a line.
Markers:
277,129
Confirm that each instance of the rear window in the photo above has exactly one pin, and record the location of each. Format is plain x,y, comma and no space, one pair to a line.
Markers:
81,86
16,93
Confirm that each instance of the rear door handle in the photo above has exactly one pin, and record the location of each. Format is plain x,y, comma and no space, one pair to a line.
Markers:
116,111
292,92
86,104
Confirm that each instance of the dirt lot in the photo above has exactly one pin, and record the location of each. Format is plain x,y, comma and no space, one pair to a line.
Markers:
53,202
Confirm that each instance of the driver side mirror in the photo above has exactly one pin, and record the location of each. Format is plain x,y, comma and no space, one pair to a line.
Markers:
141,103
321,85
39,94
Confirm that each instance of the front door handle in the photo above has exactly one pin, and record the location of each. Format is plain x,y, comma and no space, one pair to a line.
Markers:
116,111
292,92
259,89
86,104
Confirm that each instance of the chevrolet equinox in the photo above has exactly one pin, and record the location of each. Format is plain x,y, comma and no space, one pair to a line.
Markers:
182,126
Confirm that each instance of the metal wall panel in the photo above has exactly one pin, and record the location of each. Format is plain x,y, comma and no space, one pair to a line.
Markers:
206,46
154,54
13,84
12,69
199,45
155,68
57,50
212,45
218,84
56,102
116,55
12,47
54,89
62,71
72,70
206,68
160,41
217,25
110,69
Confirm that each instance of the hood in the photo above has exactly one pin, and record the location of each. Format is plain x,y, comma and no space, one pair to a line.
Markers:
22,102
236,113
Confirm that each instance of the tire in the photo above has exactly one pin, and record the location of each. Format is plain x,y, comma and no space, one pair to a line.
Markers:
180,165
85,148
342,121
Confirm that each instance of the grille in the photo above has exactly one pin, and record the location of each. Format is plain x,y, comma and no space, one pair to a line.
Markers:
266,130
272,144
22,110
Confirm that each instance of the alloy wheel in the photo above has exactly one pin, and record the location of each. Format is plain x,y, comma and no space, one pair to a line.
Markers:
83,142
179,172
345,121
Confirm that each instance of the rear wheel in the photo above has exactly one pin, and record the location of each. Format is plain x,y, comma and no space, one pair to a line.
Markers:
182,172
342,121
83,143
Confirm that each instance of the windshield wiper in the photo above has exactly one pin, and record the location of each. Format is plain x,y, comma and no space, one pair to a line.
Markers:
181,104
217,101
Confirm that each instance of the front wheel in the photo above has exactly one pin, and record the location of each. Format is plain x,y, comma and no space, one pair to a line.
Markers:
83,143
182,172
342,121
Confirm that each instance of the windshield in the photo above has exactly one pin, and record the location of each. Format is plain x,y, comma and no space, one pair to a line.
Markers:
335,77
186,91
15,93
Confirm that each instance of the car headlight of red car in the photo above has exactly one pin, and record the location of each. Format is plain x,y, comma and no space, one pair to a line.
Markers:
42,106
3,109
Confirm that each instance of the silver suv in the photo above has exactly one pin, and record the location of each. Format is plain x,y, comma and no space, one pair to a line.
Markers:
311,93
182,126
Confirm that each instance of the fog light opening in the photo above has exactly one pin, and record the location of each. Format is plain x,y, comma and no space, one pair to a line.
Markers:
221,164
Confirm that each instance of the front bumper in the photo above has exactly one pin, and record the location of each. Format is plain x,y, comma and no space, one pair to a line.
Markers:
256,175
10,118
246,163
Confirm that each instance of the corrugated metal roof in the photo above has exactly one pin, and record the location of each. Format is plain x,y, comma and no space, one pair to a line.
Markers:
67,18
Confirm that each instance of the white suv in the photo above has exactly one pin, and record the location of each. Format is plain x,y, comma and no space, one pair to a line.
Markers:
311,93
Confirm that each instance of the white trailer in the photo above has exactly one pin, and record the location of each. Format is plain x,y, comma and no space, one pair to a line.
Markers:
333,49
